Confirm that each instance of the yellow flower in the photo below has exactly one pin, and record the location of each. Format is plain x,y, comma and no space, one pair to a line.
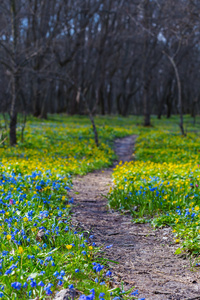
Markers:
90,247
68,205
177,241
8,237
15,223
20,250
63,198
69,247
25,219
7,213
196,208
33,229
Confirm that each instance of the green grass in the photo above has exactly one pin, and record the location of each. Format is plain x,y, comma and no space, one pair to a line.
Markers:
162,185
40,252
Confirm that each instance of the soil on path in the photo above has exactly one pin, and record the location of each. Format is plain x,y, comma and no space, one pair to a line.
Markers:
145,256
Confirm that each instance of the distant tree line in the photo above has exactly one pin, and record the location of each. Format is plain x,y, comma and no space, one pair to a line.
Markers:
99,57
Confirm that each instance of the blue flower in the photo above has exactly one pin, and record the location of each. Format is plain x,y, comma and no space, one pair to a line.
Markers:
107,247
135,293
101,295
56,273
49,285
60,282
71,286
8,272
25,285
41,283
42,273
98,267
48,292
62,273
33,283
16,285
92,291
109,273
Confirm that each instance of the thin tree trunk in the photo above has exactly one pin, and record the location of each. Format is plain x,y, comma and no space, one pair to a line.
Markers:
13,110
145,77
13,114
146,107
179,93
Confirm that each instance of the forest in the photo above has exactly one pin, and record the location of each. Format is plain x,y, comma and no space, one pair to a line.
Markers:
105,57
99,149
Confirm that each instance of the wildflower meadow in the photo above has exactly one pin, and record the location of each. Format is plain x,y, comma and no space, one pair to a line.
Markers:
162,184
40,251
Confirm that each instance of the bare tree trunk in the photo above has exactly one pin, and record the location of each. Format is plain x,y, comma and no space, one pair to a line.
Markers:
179,92
13,110
146,82
13,116
146,108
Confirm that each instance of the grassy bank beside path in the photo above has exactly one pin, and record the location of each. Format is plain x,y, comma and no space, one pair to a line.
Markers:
162,185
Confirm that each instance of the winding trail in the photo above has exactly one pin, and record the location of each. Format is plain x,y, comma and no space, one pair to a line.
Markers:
145,256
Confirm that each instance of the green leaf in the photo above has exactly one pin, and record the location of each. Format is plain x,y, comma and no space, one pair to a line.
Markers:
178,251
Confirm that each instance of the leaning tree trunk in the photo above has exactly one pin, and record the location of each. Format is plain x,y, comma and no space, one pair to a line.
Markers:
180,109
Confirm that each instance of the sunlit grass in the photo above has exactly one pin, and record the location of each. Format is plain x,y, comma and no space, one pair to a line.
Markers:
40,252
162,185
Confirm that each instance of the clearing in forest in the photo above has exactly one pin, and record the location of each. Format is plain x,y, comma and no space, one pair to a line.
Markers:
145,257
41,253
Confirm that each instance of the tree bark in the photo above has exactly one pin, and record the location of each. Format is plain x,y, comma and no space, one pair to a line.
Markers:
180,109
13,113
13,110
147,121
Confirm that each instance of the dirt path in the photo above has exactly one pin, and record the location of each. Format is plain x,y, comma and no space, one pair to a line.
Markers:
146,257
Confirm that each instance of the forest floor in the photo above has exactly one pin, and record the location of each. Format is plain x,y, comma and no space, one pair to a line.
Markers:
145,257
